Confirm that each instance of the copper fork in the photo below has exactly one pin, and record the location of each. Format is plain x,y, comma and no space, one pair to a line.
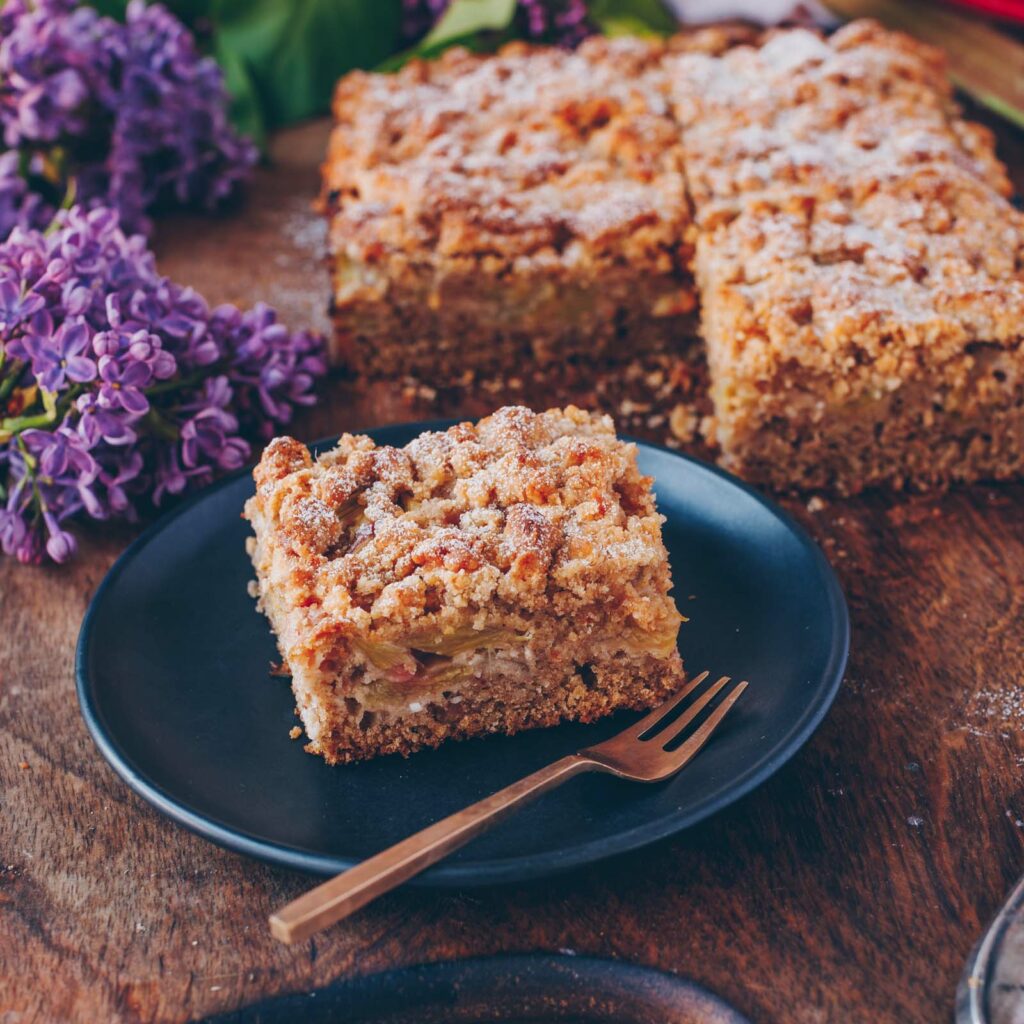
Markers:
647,751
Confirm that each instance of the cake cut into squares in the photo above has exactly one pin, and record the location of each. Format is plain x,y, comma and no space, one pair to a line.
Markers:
489,578
861,270
529,204
844,234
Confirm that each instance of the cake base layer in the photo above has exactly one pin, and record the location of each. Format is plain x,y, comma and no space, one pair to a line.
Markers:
952,417
914,449
847,235
541,320
498,705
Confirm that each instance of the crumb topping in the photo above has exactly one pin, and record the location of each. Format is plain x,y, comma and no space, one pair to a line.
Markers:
852,224
532,154
521,512
839,201
848,234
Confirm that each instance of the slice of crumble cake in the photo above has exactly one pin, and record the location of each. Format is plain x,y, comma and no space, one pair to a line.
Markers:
530,204
861,270
490,578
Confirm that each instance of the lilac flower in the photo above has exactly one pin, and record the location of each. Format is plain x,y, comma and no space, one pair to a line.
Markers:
119,388
207,437
174,124
60,452
147,349
131,115
98,423
60,545
59,359
54,57
122,385
13,531
118,502
16,306
418,17
30,549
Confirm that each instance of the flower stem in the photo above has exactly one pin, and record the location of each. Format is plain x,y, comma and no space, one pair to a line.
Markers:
8,383
156,424
53,412
181,383
16,424
70,193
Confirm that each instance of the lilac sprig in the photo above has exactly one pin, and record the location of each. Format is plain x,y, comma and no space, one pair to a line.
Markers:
119,388
131,113
554,21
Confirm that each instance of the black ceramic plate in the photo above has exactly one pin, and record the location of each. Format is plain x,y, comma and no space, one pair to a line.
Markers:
490,990
173,680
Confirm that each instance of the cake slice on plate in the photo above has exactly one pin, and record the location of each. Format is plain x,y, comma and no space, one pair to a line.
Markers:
490,578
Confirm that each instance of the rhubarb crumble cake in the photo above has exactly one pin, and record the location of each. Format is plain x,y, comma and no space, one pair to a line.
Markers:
860,267
843,234
490,578
528,204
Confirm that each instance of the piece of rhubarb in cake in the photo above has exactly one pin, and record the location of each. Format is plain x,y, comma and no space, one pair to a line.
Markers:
490,578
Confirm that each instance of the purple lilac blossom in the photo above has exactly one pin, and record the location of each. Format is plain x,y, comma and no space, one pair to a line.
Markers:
119,388
419,16
130,116
554,21
19,206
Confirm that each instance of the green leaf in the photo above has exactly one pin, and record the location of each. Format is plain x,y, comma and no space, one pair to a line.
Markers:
632,17
295,50
246,112
466,17
111,8
461,25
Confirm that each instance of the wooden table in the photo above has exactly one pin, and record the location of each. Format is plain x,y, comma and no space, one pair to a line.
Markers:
848,888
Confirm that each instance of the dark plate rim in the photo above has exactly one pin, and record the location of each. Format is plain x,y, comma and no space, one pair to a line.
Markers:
572,979
495,870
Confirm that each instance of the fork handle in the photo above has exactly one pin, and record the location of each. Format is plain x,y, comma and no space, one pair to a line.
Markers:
347,892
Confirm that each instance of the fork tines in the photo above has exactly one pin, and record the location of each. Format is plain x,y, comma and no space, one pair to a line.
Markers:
662,725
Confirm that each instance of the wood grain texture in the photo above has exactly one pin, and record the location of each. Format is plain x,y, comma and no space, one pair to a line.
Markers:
849,888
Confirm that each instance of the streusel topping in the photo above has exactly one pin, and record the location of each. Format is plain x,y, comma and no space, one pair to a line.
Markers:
852,223
833,115
532,154
522,510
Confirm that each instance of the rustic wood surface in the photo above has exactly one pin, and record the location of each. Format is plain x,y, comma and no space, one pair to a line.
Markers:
848,888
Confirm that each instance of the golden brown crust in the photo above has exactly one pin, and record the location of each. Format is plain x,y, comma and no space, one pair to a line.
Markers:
531,154
488,503
525,205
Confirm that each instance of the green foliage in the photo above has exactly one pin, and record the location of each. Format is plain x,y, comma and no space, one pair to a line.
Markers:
632,17
471,23
246,108
281,58
293,51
